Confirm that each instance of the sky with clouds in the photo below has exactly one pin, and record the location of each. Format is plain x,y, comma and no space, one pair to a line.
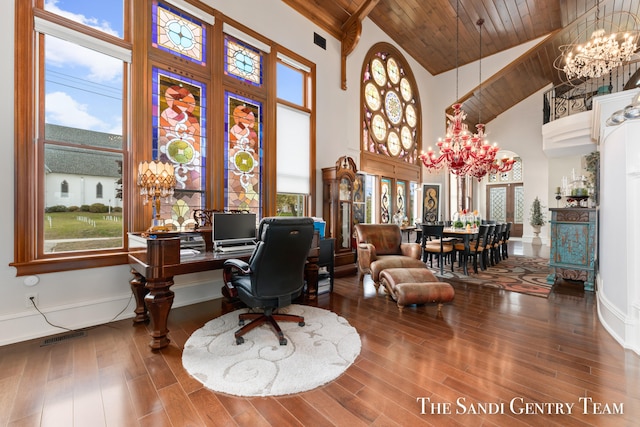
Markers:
83,88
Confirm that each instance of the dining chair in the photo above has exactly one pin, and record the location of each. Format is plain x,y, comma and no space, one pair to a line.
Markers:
476,249
505,241
434,244
486,252
496,244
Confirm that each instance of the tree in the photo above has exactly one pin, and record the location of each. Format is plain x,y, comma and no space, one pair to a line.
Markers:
537,218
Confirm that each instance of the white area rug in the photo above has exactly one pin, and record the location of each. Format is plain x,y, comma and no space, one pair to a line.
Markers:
315,354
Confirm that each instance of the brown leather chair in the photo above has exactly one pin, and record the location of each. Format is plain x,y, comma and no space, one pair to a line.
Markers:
381,244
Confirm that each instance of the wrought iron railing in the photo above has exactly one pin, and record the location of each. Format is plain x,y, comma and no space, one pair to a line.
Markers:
566,99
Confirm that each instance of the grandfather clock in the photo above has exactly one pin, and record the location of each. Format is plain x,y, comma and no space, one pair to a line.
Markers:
337,211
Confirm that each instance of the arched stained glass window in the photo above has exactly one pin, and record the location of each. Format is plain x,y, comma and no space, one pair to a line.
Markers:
99,190
64,189
243,154
175,32
390,107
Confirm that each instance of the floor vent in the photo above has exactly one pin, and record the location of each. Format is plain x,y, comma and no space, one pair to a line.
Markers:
65,337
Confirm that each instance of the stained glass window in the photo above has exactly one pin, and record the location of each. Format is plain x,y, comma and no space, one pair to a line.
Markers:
242,61
498,207
514,175
385,200
401,198
243,154
179,137
518,215
175,32
390,109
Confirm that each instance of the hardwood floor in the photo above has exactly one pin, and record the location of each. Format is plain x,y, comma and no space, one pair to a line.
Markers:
487,349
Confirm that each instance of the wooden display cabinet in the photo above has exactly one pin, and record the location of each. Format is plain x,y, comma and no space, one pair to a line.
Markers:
337,211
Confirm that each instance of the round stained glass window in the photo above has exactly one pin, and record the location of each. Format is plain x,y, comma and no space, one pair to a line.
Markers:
379,127
372,96
405,89
393,107
393,144
410,115
393,71
406,137
378,72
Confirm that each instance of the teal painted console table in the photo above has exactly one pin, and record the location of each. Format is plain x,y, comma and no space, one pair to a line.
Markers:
573,252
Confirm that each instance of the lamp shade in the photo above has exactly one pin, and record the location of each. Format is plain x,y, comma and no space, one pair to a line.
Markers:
156,178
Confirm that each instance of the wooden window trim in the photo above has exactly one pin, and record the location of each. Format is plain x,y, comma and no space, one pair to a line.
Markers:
28,195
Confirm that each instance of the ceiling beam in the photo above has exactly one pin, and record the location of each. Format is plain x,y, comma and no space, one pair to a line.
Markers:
351,31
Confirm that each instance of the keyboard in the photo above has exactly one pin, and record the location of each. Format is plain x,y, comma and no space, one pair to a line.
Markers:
239,248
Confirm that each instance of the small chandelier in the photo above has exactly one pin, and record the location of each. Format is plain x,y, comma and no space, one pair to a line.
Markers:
599,56
156,180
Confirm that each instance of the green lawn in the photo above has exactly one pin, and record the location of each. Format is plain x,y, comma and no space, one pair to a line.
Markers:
84,228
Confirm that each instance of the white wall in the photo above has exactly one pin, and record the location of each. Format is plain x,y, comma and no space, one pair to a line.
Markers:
618,280
86,297
82,190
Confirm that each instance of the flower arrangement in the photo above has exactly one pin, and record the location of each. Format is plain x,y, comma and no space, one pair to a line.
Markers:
537,218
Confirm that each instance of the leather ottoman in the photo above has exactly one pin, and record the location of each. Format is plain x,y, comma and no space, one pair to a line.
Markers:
415,286
393,261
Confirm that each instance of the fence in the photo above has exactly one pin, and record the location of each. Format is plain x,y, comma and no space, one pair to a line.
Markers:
567,99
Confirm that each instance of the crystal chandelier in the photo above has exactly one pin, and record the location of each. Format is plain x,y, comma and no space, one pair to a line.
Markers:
597,57
455,148
463,153
486,162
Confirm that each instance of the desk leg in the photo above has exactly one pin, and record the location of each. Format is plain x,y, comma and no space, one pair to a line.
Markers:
311,275
139,291
159,301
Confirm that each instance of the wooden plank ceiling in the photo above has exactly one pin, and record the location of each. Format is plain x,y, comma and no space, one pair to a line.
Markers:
426,29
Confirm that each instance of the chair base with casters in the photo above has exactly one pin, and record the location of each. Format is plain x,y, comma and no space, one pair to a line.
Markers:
273,276
269,317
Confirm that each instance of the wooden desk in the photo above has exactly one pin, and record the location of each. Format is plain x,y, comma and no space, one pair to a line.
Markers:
154,267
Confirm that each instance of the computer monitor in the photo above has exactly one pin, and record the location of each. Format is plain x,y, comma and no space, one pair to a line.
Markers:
233,228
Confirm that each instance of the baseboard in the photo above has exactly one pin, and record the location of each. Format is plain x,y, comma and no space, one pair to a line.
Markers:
625,329
29,324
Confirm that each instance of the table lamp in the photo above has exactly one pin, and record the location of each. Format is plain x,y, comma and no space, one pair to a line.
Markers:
156,179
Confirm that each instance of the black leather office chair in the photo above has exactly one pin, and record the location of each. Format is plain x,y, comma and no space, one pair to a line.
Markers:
273,276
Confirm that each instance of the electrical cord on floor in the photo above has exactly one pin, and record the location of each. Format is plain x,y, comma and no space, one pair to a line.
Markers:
32,299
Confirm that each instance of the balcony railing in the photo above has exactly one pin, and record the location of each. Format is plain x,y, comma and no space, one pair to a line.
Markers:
565,100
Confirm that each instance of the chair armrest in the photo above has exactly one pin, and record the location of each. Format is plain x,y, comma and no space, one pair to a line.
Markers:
413,250
237,264
366,255
229,268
